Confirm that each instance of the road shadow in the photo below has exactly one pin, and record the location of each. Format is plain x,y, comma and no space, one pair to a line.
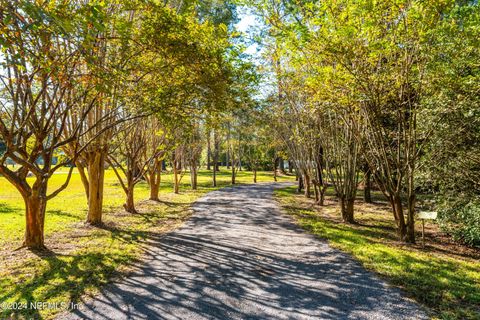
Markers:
239,258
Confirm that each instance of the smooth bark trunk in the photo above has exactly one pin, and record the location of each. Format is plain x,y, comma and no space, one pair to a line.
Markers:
83,178
154,191
233,169
281,165
399,216
275,169
215,159
300,183
410,235
346,206
96,177
322,196
155,178
316,191
367,194
306,181
130,202
193,177
322,187
209,151
176,187
214,176
35,207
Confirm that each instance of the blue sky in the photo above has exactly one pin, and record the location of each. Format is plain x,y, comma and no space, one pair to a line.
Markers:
246,23
249,25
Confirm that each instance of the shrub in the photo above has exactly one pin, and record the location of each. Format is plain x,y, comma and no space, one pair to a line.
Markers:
462,221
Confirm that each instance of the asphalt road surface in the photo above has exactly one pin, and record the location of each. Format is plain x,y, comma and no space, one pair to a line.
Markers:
239,257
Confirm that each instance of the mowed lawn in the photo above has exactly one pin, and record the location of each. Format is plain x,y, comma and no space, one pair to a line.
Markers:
82,258
444,277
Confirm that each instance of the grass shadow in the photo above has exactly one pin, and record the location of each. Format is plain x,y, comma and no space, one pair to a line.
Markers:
449,286
65,278
62,213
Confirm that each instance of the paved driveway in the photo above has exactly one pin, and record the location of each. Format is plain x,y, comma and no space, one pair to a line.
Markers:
238,257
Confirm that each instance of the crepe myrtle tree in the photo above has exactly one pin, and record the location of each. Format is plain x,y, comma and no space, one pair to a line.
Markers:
182,145
193,152
342,153
110,61
132,154
158,143
43,80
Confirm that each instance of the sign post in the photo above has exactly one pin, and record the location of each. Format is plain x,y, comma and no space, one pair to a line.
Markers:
426,215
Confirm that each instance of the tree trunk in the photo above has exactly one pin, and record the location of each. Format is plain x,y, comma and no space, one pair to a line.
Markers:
410,233
346,206
410,236
216,152
215,158
300,183
193,177
399,217
154,191
367,194
290,167
209,150
83,177
130,202
275,169
214,176
319,173
254,175
176,187
155,180
233,168
227,159
316,191
96,176
306,181
322,195
281,165
35,206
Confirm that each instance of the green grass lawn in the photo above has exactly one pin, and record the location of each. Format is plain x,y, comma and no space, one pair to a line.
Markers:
446,282
82,258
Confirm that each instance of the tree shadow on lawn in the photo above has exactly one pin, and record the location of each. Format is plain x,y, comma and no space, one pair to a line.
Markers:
312,220
49,276
164,202
65,278
62,213
438,282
